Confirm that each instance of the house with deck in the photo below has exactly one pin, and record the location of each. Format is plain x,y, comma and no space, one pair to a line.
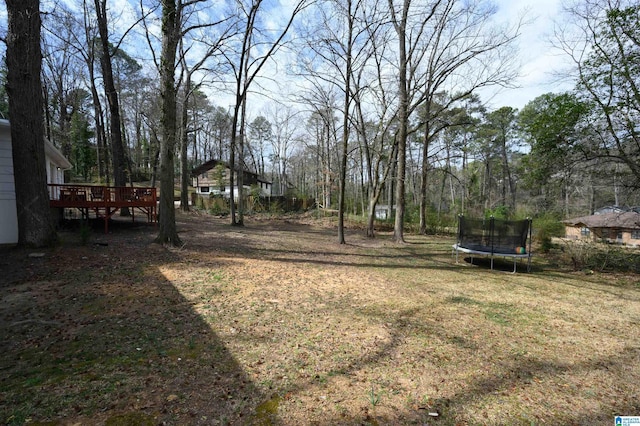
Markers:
55,163
213,177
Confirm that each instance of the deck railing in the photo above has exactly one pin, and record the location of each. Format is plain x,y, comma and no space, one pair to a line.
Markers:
81,194
104,201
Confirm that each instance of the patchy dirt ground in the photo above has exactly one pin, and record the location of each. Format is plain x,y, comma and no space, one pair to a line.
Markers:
276,323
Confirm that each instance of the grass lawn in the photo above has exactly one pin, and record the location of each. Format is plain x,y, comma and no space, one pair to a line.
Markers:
276,323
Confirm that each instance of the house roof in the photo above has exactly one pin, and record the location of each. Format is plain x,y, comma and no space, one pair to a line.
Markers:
56,157
205,167
627,220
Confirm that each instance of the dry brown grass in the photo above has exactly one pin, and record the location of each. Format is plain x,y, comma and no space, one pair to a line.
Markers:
275,323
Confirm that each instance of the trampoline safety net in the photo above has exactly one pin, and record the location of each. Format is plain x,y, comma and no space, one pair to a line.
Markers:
494,236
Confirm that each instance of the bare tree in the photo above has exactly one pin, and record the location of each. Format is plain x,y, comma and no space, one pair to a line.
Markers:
283,137
463,54
261,133
323,126
375,125
188,90
602,38
340,50
246,66
448,44
78,35
171,34
117,145
400,20
24,87
175,26
62,75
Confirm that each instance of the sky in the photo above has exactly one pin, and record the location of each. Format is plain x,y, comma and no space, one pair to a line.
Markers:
539,60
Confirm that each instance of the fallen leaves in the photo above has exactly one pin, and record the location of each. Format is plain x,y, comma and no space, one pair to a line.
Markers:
210,332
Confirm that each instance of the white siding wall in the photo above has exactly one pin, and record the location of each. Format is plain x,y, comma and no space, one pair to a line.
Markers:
55,166
8,214
265,188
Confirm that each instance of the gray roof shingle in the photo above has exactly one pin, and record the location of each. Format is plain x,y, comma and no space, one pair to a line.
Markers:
626,220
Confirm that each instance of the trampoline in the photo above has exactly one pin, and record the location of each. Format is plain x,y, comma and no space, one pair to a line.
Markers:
495,238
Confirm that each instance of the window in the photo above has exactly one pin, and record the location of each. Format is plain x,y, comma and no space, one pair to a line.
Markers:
204,189
635,235
585,232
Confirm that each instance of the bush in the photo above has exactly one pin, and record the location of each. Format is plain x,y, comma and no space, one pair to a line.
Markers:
601,257
219,206
437,223
544,228
499,212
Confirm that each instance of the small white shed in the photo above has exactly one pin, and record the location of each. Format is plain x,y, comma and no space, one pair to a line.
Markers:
56,163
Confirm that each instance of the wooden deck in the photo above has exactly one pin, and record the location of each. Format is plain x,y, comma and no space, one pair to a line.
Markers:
105,201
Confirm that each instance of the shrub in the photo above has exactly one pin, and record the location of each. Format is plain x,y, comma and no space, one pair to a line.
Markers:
545,227
601,257
499,212
219,205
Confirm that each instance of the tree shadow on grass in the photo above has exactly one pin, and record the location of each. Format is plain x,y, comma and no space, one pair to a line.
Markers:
98,335
510,375
499,264
523,372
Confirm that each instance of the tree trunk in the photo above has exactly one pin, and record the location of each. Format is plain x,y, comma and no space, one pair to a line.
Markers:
24,87
170,36
403,106
327,167
242,166
155,158
99,132
232,162
390,185
424,175
117,146
345,128
184,148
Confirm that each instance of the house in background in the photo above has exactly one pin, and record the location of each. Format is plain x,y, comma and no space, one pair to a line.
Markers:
213,176
614,227
56,164
609,209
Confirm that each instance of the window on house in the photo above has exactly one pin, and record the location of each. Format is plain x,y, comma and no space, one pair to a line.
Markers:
635,235
204,189
585,232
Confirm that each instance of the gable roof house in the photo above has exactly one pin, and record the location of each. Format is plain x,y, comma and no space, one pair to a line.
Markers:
614,227
56,163
213,176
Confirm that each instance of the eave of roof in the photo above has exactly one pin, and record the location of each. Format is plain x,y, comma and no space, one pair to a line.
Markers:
205,167
56,156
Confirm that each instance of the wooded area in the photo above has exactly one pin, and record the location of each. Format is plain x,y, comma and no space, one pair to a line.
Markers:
356,104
